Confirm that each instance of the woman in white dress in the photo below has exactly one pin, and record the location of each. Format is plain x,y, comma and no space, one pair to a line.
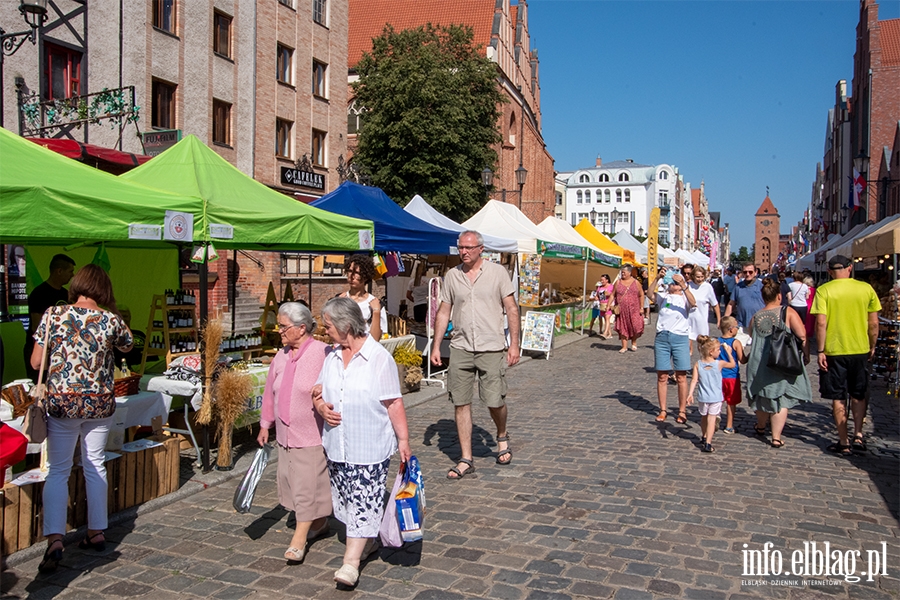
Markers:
360,270
799,295
705,296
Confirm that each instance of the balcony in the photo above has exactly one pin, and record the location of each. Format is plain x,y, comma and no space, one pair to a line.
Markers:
664,205
117,106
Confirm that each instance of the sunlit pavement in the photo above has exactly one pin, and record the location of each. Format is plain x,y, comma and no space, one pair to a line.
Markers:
600,502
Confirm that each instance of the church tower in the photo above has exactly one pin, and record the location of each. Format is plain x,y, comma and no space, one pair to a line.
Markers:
767,231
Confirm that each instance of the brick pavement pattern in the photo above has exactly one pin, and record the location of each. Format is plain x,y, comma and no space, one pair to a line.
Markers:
600,502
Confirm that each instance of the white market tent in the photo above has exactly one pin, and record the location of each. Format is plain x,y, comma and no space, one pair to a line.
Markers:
629,242
700,258
420,208
820,255
505,220
846,246
557,228
684,256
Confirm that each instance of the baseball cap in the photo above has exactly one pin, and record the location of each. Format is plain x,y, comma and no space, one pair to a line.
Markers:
839,261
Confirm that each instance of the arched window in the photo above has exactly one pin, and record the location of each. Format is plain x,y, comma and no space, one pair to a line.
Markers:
618,195
606,195
578,196
627,195
583,178
623,177
587,196
604,177
663,174
598,196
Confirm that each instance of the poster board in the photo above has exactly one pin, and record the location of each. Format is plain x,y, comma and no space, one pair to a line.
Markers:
537,334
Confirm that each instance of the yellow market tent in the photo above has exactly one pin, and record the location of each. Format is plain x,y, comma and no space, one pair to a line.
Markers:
590,233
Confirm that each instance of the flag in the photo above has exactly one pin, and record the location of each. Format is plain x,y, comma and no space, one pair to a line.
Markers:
101,258
857,190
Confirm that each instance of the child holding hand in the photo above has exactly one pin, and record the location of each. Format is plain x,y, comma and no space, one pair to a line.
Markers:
708,377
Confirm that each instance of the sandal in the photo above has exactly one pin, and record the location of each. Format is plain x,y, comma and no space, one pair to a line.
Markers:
89,542
759,430
51,558
461,474
681,419
502,453
839,448
661,416
777,443
859,444
295,554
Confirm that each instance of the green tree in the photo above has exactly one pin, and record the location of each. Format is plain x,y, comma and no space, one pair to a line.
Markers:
431,111
742,256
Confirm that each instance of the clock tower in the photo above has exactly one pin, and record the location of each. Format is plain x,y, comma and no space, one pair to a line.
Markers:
767,231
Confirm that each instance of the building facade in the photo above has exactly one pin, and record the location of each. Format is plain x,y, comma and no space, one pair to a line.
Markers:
875,101
620,195
501,30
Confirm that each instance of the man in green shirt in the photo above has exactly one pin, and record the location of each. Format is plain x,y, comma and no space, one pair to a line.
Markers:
846,313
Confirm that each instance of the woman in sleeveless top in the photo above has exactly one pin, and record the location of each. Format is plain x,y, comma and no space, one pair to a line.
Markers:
360,270
772,392
629,297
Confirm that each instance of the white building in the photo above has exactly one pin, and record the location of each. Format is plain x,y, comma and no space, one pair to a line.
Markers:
624,188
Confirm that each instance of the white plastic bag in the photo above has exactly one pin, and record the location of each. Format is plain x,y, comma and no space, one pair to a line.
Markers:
243,495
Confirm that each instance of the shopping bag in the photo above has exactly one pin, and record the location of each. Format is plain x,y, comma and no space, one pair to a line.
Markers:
34,426
389,532
410,500
243,495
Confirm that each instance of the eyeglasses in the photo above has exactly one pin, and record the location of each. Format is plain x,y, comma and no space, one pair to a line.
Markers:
470,247
283,329
749,272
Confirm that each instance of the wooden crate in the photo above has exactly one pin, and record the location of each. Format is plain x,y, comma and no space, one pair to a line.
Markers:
134,478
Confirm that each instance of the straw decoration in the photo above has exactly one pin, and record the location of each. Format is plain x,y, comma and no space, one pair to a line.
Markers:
231,392
212,340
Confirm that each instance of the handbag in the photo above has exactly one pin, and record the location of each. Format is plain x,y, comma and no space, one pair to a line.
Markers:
243,495
34,426
616,309
785,354
389,532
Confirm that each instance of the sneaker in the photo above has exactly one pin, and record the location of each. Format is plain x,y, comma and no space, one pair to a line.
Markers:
728,430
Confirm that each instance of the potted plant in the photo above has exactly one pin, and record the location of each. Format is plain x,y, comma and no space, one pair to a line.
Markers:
409,367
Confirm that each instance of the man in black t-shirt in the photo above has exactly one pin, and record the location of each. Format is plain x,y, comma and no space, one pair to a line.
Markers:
49,293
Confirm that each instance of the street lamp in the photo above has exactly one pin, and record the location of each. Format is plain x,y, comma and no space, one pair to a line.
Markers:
640,231
35,14
487,178
614,217
861,164
593,216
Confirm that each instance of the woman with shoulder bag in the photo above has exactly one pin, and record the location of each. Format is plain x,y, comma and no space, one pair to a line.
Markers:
772,391
80,401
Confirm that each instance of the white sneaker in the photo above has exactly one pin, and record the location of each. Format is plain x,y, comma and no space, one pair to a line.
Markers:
347,575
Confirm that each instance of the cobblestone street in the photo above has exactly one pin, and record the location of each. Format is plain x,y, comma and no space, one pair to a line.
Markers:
600,502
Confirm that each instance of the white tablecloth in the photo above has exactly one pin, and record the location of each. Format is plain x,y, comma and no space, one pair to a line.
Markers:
391,344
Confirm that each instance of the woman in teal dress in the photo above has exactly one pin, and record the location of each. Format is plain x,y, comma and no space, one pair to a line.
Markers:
772,392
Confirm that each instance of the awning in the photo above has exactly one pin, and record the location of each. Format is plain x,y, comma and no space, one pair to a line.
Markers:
90,152
883,240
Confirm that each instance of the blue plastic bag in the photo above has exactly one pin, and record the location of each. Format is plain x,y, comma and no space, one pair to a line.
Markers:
410,501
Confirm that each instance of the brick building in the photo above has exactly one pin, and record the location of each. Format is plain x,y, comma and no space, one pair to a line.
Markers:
875,104
501,31
262,82
768,240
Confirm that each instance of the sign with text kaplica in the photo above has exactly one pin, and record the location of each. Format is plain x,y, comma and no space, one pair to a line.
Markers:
557,250
652,239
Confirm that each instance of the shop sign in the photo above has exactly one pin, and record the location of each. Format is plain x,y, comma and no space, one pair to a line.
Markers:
156,142
870,263
140,231
179,226
557,250
292,176
605,259
220,231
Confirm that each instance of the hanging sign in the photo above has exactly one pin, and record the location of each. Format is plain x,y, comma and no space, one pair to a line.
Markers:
557,250
292,176
365,239
179,226
140,231
220,231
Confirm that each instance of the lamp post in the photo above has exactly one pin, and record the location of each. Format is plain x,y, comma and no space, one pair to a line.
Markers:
640,232
614,218
487,178
35,14
594,216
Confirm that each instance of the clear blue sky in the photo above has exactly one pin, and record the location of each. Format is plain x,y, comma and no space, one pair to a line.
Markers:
735,93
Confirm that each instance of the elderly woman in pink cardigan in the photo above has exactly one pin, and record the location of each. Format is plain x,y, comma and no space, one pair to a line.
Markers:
303,484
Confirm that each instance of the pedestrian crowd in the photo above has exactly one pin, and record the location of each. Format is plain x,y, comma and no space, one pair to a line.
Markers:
338,413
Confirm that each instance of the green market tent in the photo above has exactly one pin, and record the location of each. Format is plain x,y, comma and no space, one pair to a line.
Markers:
48,199
262,219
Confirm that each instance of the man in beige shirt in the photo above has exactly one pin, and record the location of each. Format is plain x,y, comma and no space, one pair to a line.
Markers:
474,296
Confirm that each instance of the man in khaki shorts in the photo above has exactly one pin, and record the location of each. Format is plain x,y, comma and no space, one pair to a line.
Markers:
474,296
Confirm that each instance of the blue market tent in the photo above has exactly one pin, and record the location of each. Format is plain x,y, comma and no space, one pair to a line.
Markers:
395,229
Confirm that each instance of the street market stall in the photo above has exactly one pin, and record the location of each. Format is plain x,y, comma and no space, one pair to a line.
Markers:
418,207
598,239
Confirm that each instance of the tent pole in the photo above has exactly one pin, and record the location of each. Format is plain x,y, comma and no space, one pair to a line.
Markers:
203,270
232,289
309,279
583,293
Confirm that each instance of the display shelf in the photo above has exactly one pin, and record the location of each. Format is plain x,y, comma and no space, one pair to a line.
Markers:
158,325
